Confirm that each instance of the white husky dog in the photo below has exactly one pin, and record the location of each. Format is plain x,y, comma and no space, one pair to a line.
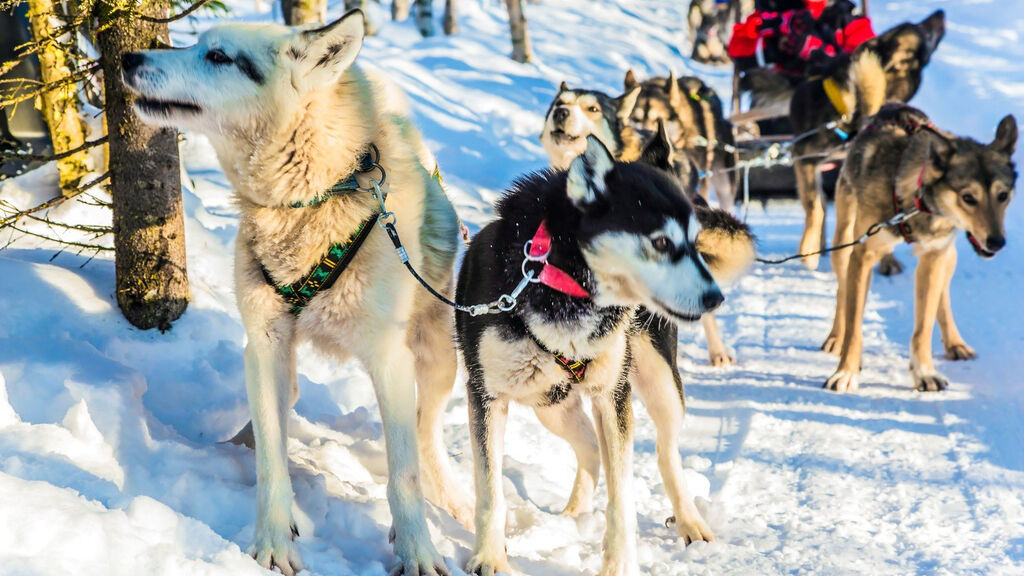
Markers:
301,132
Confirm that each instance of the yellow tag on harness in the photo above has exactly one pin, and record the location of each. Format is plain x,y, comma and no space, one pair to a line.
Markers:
835,96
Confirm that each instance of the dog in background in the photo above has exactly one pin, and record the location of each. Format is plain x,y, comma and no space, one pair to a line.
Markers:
575,113
293,121
900,162
886,68
692,113
710,23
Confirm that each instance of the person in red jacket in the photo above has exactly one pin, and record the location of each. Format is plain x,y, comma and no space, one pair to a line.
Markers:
798,37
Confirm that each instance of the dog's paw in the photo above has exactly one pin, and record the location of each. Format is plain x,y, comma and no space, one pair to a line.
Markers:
484,564
416,557
692,529
832,345
720,358
929,381
889,266
425,25
618,567
274,547
843,381
960,351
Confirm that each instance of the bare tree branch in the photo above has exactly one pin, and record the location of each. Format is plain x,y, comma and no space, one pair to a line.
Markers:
13,218
50,158
176,17
60,241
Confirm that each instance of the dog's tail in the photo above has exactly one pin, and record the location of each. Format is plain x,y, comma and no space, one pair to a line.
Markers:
867,82
726,244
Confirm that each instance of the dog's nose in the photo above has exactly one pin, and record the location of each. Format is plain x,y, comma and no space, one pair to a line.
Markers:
131,60
561,114
995,243
712,299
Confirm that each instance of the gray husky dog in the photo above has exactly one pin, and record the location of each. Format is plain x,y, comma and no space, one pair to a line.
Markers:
604,238
901,163
303,134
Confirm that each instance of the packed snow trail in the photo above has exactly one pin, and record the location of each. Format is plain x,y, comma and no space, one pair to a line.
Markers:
110,460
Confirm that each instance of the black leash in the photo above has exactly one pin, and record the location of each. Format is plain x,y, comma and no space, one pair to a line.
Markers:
874,229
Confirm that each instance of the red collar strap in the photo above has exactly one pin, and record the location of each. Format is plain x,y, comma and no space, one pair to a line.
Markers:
537,250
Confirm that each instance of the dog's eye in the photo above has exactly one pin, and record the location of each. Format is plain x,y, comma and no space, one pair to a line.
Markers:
217,56
969,200
594,109
1003,196
662,244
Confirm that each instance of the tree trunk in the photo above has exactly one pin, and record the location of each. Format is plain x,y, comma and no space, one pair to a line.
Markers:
298,12
521,51
60,106
145,183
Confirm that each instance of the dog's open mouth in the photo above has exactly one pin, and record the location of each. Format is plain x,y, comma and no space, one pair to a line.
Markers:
564,136
978,248
164,107
678,314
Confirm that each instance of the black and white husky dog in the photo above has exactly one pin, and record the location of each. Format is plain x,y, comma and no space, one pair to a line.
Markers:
603,239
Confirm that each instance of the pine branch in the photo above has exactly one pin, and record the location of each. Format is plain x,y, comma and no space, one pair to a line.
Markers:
42,88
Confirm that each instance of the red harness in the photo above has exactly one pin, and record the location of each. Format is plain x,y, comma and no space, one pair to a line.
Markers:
537,250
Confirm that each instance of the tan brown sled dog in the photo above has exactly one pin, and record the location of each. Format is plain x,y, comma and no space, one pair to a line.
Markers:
902,164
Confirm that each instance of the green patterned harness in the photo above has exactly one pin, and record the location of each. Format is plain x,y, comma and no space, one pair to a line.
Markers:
326,272
299,293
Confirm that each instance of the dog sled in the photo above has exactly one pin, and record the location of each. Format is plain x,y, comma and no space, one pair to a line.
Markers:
763,133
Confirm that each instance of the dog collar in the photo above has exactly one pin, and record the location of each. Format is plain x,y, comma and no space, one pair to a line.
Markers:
368,161
538,249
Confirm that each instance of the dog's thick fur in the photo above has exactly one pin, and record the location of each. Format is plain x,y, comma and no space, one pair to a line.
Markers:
289,115
690,110
965,185
626,233
886,68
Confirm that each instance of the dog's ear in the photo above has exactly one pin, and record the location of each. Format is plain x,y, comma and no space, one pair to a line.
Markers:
940,152
624,104
328,51
1005,141
630,81
658,152
563,87
675,95
585,184
933,28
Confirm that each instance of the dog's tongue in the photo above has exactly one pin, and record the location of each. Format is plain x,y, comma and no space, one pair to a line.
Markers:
981,250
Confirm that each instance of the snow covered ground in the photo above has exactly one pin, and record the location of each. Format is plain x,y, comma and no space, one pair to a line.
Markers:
110,460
